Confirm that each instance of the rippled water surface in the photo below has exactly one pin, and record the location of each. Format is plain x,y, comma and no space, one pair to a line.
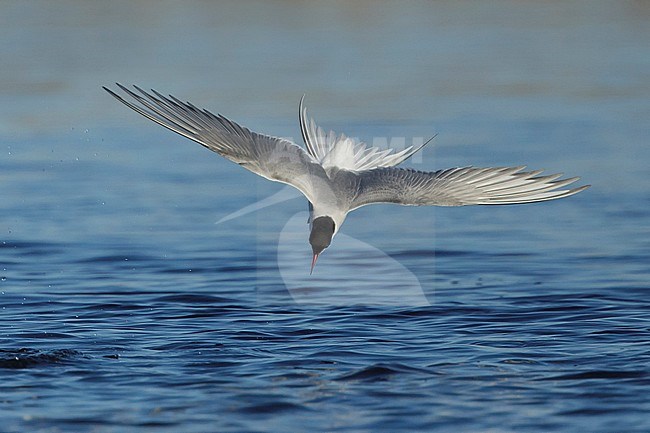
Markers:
124,307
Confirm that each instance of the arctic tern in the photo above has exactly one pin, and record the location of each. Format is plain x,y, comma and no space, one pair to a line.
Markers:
338,174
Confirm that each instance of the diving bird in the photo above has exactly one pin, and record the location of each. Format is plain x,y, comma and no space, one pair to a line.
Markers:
338,174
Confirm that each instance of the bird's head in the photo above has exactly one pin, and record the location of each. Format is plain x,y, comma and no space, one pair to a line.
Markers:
322,230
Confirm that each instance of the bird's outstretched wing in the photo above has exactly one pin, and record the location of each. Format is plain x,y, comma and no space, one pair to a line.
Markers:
343,152
273,158
460,186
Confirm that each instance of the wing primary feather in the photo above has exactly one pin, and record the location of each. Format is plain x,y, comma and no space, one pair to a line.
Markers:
176,128
460,186
304,128
183,108
158,108
180,112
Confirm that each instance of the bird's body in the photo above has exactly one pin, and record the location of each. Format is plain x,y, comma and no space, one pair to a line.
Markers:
337,174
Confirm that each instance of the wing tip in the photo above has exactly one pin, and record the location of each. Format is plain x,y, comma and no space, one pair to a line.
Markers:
545,196
112,92
579,189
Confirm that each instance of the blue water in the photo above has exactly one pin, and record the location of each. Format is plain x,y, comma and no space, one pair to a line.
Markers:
126,308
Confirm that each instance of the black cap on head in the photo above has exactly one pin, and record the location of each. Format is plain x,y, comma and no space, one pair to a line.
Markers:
322,230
